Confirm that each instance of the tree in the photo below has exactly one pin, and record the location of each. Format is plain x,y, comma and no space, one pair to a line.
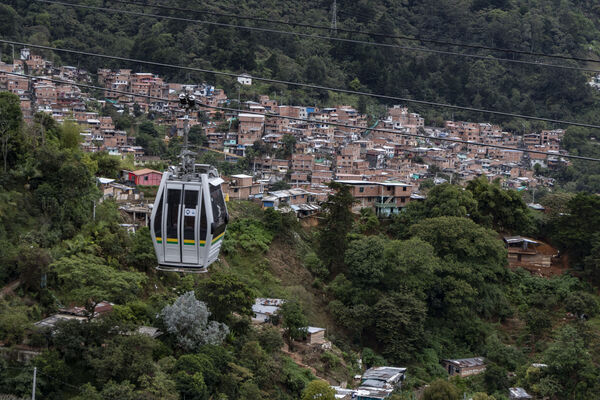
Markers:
500,209
288,141
87,279
197,137
11,120
577,231
335,226
364,259
108,166
187,319
124,357
399,325
582,303
318,390
294,321
280,185
449,200
32,262
410,264
495,378
69,135
570,365
463,240
441,390
225,294
141,254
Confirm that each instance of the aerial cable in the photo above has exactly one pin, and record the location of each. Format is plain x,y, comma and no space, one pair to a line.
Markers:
310,86
320,37
312,121
360,32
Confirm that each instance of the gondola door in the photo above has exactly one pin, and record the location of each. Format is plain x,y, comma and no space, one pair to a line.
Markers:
189,227
172,222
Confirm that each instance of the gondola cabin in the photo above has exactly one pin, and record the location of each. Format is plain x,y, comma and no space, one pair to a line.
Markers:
188,221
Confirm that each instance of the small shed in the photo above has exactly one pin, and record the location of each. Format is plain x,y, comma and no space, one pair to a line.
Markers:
264,309
517,393
244,79
464,366
315,335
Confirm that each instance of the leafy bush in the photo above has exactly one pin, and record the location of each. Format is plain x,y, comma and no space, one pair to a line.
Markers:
248,234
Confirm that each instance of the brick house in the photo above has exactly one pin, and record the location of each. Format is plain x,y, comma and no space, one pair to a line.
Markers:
385,198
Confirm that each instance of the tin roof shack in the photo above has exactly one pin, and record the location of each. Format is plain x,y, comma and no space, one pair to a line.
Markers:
518,393
528,253
265,309
464,366
380,382
315,335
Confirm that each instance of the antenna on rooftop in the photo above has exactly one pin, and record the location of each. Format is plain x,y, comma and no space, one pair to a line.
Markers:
334,17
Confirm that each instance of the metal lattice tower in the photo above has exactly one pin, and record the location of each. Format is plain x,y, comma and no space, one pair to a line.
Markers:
334,17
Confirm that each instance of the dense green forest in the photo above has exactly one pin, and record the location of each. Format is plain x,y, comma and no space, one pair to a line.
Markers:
432,283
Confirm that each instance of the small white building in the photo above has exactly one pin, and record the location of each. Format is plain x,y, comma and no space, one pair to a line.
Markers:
518,393
264,309
244,79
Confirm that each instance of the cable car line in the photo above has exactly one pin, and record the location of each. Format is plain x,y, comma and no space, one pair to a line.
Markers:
416,135
360,32
320,37
311,86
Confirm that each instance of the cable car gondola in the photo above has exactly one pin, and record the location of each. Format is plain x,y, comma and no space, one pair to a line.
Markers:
189,216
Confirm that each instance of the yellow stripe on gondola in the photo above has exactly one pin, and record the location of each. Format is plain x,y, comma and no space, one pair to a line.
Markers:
172,241
158,240
203,243
189,242
218,238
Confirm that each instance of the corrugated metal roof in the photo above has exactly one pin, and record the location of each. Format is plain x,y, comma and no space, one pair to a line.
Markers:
468,362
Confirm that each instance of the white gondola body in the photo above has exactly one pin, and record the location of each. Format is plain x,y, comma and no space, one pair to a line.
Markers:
188,221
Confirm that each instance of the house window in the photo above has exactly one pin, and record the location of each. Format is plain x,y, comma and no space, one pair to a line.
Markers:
362,189
235,190
146,178
389,188
403,199
404,188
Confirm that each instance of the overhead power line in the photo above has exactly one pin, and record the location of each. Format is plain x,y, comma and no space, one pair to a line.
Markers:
309,86
320,37
360,32
311,121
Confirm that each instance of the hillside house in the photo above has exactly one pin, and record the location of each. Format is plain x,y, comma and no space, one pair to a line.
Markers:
244,79
264,309
376,383
145,177
385,198
315,335
464,366
523,251
242,187
517,393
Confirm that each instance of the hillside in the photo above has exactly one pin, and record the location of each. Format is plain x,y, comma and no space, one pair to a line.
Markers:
564,28
82,302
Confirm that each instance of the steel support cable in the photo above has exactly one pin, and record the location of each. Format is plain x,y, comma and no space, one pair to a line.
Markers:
310,86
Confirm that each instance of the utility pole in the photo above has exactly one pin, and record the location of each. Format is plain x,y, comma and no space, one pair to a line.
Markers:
334,17
34,376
